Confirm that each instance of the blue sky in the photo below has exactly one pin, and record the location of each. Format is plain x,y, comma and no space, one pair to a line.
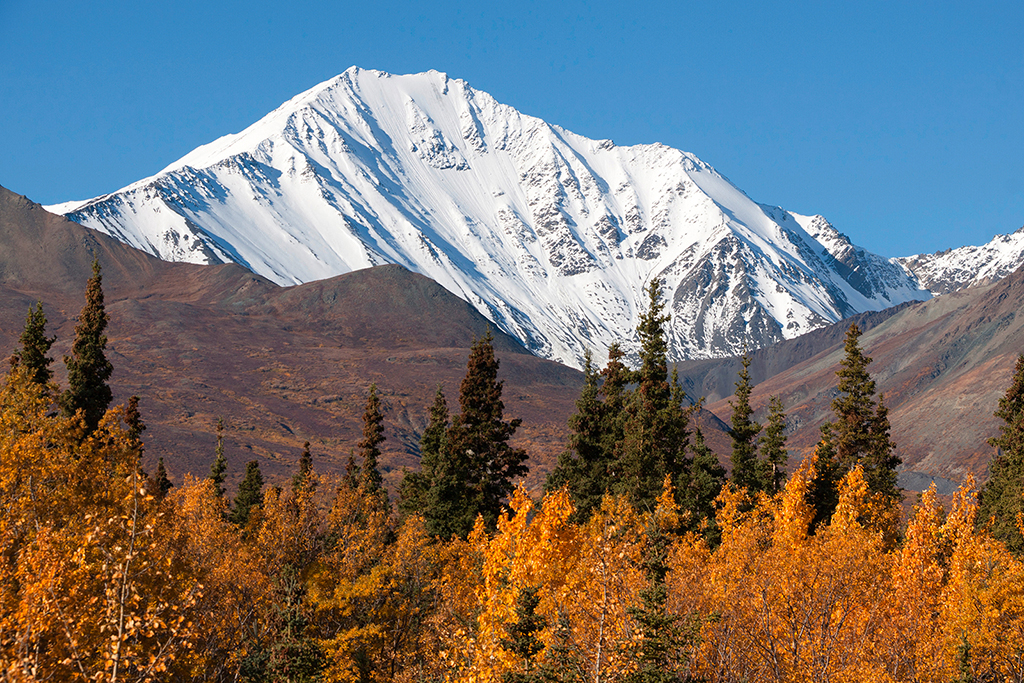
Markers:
900,122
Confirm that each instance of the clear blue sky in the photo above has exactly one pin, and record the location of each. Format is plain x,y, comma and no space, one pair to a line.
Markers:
900,122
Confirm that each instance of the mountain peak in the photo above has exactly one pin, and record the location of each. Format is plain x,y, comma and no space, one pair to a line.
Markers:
548,234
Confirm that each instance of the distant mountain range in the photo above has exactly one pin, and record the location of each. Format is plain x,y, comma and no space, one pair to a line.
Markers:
550,235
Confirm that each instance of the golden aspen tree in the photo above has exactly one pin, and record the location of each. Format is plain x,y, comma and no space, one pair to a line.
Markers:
982,604
237,589
98,594
346,584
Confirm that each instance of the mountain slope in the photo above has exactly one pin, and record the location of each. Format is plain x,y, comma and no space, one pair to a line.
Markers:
942,364
550,235
279,365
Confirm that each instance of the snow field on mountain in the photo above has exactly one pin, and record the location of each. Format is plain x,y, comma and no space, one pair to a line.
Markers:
551,235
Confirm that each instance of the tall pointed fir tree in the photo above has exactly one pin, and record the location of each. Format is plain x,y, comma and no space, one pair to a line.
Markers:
35,345
250,494
369,448
744,431
1001,499
88,367
415,485
220,465
584,465
655,426
859,435
478,467
774,455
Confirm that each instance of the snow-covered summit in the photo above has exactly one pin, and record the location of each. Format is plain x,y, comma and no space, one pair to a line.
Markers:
953,269
549,234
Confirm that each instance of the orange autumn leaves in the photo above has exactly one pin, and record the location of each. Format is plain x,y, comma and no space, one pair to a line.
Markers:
773,602
100,581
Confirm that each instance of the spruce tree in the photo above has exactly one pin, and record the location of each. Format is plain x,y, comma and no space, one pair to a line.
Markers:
859,435
300,478
1002,497
479,466
415,485
773,448
88,367
369,448
352,472
162,483
707,477
662,636
133,421
584,464
655,428
250,494
220,465
745,469
35,345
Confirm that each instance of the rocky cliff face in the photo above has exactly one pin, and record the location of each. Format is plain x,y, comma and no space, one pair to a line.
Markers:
550,235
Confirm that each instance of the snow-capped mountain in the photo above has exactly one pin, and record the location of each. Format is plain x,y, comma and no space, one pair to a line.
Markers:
551,235
953,269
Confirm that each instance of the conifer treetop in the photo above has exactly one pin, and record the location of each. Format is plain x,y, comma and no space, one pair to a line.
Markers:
35,345
88,367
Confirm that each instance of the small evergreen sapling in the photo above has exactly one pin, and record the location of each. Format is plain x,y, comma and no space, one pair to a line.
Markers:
220,465
250,494
300,478
35,345
162,483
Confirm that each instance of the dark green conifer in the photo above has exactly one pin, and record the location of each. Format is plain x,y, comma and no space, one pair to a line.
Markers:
352,472
655,428
35,345
523,637
162,484
823,493
415,485
287,650
745,469
300,478
220,465
662,634
707,477
773,448
584,465
1002,497
858,435
88,367
250,494
369,448
135,425
479,466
